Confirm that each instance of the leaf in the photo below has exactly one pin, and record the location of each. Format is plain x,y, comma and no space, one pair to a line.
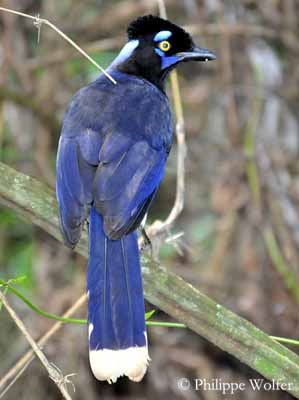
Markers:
18,280
149,314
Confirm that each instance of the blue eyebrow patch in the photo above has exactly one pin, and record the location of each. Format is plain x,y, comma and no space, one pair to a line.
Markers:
162,35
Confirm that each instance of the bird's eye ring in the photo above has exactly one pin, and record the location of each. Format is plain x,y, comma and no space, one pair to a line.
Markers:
164,45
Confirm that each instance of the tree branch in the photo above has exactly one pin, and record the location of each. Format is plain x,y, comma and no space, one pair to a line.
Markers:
36,203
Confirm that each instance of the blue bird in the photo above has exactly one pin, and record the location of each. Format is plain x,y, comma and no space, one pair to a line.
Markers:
111,158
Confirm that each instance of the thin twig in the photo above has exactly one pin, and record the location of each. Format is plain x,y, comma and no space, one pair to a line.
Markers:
160,227
39,21
223,237
162,8
2,394
42,341
228,78
181,153
285,271
250,152
37,309
57,377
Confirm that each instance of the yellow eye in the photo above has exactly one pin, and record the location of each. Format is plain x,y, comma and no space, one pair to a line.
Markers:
164,45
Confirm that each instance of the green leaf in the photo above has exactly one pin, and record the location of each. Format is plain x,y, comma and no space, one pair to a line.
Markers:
18,280
149,314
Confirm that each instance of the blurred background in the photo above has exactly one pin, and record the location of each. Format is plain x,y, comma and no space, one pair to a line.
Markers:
241,217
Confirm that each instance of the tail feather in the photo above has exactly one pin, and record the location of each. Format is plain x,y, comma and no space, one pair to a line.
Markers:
117,334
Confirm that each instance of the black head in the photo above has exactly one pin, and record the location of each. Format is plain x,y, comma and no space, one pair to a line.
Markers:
155,47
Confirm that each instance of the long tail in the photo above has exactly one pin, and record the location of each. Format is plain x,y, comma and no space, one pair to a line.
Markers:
117,333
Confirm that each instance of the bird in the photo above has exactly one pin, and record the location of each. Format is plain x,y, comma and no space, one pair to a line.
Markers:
111,157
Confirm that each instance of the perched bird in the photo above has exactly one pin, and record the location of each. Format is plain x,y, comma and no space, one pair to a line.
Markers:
111,158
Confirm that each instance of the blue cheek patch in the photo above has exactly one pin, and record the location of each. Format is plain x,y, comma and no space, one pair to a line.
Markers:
160,52
163,35
166,61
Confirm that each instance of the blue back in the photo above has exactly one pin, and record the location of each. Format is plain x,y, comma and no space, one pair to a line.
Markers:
112,152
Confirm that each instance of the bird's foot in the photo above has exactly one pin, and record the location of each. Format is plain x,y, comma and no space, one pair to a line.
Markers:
146,242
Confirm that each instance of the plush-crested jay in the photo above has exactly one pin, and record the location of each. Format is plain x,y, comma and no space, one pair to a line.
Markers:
111,159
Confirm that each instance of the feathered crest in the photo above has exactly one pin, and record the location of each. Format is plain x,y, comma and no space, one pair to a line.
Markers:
150,24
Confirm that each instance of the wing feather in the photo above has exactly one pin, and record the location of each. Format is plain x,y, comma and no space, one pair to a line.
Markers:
72,194
124,187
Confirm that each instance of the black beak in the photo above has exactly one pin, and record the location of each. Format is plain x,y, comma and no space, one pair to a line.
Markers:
196,54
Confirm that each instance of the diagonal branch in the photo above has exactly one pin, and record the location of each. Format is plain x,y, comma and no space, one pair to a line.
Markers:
53,372
35,203
24,361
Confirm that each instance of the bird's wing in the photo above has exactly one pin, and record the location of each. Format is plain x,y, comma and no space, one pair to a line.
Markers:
74,178
122,185
125,182
77,160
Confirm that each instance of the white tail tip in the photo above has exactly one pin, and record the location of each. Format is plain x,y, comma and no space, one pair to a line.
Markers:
109,365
